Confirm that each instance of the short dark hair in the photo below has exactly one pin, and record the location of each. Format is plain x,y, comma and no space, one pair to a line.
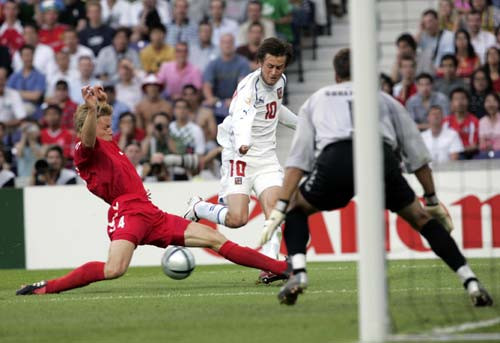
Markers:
160,114
459,90
424,76
127,114
55,148
190,86
27,47
62,83
408,39
181,100
256,23
159,27
450,57
342,64
53,107
275,47
123,29
435,107
430,11
33,25
408,58
255,2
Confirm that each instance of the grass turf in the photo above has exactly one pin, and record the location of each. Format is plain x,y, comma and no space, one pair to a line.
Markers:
223,304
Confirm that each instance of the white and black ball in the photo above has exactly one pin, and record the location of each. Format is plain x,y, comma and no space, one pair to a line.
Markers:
177,262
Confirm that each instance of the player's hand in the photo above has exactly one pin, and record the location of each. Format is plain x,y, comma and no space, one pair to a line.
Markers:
439,212
89,96
100,93
274,221
243,149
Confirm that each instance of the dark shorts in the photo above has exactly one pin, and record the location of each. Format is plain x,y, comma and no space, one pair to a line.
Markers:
138,221
330,185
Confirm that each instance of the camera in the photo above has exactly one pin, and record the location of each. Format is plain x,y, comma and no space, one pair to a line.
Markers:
156,168
159,127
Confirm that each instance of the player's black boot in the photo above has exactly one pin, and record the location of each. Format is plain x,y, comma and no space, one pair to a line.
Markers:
268,277
478,295
30,289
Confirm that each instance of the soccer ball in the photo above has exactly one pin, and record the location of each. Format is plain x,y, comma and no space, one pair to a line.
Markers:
177,262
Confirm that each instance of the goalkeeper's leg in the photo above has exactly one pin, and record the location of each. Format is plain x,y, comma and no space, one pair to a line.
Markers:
445,247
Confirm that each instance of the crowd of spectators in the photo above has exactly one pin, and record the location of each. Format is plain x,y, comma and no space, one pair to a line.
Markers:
168,67
448,77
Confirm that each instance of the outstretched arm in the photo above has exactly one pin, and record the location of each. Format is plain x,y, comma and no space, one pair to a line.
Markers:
89,128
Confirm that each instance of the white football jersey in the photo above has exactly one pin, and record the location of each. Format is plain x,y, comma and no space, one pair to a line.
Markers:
253,116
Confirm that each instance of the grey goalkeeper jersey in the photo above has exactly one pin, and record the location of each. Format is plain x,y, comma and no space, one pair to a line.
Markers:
327,117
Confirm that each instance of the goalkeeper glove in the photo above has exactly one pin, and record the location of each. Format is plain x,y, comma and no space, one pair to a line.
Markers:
438,211
274,221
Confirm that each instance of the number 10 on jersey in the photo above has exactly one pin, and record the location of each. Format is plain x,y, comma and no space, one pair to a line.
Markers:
271,110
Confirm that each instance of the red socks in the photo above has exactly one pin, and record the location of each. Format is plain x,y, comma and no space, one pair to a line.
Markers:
79,277
251,258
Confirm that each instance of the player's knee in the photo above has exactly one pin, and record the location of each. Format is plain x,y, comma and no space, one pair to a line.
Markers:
114,270
235,221
419,218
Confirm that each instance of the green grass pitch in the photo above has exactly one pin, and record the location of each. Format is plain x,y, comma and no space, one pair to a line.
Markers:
223,304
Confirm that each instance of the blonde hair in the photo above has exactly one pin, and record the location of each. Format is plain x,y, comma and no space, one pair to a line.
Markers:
103,109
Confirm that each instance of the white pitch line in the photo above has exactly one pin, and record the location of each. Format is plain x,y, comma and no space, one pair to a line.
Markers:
467,326
271,291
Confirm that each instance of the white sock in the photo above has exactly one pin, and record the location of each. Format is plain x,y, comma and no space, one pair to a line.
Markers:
299,261
464,273
272,247
213,212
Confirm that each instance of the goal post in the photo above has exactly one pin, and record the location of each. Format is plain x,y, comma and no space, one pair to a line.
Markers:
372,285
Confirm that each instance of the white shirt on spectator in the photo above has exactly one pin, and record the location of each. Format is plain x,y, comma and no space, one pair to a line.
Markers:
80,51
59,75
161,7
118,15
442,146
226,26
130,94
481,42
75,87
43,60
11,105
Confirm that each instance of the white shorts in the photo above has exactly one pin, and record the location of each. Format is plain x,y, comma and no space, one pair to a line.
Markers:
242,174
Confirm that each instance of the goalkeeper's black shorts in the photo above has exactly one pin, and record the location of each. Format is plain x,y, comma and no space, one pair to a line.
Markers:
330,185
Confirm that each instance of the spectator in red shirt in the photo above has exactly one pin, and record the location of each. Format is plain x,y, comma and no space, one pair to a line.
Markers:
465,123
404,89
61,98
11,31
129,131
51,32
54,134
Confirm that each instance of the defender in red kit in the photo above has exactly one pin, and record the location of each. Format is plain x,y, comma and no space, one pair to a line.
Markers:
132,218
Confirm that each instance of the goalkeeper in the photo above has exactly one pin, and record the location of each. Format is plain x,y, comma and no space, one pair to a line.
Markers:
322,146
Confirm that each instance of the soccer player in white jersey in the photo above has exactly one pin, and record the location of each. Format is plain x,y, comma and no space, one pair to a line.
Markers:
322,146
248,138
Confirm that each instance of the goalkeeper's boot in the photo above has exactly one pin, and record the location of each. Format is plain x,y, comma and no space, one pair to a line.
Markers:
295,285
34,288
478,295
268,277
190,214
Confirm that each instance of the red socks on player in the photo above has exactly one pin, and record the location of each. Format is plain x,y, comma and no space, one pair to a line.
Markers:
79,277
251,258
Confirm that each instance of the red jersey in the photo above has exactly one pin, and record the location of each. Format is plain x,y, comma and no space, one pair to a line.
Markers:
68,110
12,39
107,171
468,129
61,137
53,37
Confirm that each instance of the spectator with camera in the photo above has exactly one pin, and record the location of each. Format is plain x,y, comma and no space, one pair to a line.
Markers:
158,139
7,177
29,149
186,135
51,171
152,102
54,133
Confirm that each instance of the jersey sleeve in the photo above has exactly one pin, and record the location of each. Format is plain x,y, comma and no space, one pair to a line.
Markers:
243,113
287,117
301,154
409,140
83,153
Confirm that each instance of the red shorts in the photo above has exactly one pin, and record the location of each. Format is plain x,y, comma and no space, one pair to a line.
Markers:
138,221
